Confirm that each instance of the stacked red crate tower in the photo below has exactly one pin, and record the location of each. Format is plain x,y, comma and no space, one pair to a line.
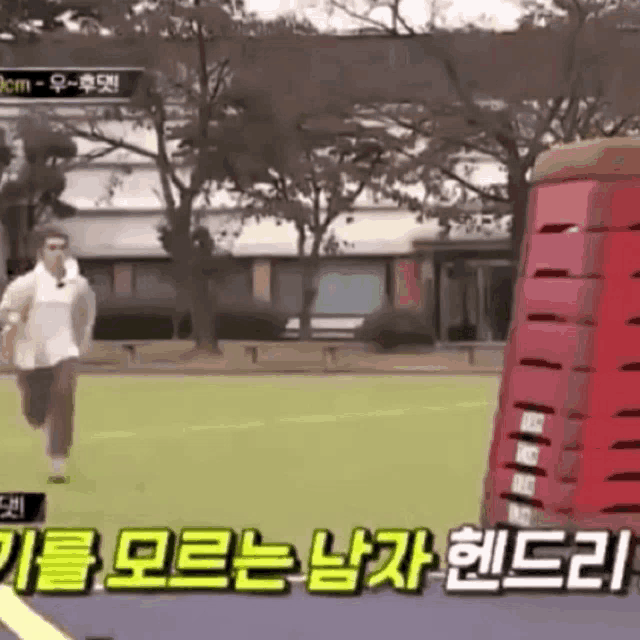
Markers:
566,443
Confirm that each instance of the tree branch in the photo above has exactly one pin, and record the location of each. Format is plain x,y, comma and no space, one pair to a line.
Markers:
589,115
317,192
475,147
158,117
197,177
95,136
570,119
370,21
355,194
542,126
577,18
468,185
397,17
224,65
281,181
615,130
475,112
87,159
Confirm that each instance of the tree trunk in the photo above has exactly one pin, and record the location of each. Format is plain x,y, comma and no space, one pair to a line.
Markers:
518,190
520,205
202,314
466,315
309,293
190,271
195,296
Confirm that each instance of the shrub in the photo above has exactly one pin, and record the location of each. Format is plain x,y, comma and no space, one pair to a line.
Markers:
244,321
153,320
393,328
134,320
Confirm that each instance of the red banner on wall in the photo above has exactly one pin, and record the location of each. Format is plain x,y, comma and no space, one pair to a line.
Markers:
407,283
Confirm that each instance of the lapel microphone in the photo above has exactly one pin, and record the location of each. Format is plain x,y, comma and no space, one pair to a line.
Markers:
61,282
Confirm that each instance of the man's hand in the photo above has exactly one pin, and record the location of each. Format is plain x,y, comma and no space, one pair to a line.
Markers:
8,342
85,344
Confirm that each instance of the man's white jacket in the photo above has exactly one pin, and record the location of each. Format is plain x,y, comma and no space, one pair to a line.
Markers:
54,318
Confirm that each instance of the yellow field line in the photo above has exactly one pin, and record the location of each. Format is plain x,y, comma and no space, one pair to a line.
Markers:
23,621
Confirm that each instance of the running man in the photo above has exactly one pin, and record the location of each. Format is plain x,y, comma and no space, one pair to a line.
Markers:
48,316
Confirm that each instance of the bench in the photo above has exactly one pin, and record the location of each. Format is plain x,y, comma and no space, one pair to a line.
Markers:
130,347
472,347
252,350
329,351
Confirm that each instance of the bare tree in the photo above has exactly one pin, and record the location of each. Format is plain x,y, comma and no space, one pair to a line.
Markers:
511,134
328,165
195,168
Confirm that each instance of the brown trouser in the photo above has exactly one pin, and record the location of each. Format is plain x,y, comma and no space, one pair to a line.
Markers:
48,396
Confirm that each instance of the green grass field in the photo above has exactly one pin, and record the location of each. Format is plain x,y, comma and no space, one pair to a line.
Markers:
285,454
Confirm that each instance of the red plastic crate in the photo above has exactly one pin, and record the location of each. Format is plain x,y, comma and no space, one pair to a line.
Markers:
552,463
567,203
498,511
610,392
512,451
598,497
585,518
548,456
509,431
556,433
545,439
543,493
573,255
619,253
564,299
620,201
586,204
566,255
603,348
561,345
604,432
618,303
567,466
610,302
598,465
554,300
529,424
563,392
614,346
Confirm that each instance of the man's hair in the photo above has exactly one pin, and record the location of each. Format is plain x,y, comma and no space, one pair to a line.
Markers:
40,236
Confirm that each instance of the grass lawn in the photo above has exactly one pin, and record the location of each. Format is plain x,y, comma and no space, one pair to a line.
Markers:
285,454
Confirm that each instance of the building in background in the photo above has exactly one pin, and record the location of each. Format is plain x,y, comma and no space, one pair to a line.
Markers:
467,285
389,259
392,260
121,253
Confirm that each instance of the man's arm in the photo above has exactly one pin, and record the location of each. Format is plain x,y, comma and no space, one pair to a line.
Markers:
89,305
14,306
16,300
87,319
